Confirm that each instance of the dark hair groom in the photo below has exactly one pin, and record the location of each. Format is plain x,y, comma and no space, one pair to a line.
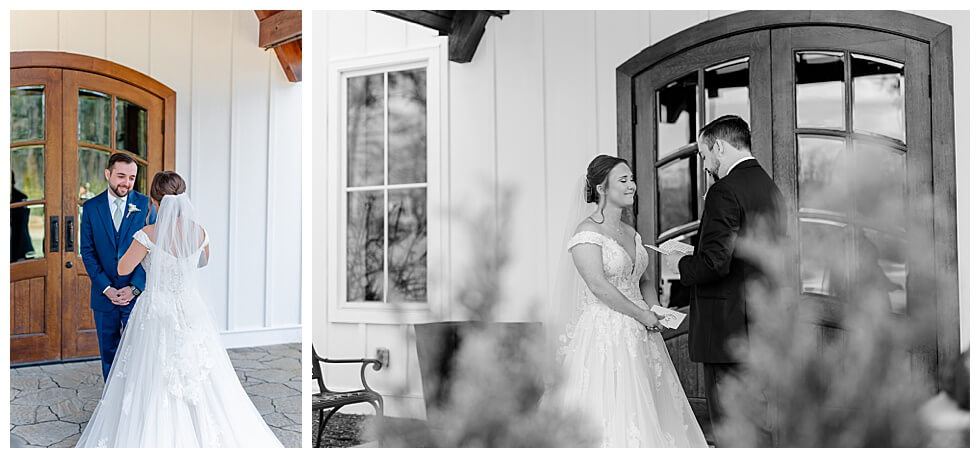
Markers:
743,202
109,221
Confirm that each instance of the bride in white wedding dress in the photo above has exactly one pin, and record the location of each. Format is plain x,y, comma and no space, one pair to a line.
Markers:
615,365
171,382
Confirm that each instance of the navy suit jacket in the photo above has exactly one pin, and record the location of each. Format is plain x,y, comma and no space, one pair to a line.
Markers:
102,245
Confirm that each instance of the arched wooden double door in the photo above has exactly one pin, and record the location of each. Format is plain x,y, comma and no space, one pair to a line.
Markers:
68,114
850,114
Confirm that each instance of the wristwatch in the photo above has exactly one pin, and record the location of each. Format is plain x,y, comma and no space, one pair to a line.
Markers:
136,291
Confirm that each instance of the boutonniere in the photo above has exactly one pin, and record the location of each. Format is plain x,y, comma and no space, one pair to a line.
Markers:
132,208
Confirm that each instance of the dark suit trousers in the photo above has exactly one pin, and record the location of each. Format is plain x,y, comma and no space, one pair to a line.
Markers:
714,374
109,326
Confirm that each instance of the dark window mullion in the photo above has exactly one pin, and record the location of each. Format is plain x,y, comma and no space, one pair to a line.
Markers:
701,176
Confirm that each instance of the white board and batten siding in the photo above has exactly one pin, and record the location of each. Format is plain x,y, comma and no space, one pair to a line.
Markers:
535,104
238,146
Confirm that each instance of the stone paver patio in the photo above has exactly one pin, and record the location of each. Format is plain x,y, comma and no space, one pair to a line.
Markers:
50,405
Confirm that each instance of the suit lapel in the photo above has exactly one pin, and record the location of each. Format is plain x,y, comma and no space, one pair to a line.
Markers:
102,204
124,225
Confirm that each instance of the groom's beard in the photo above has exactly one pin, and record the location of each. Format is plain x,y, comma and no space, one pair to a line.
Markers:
120,193
713,175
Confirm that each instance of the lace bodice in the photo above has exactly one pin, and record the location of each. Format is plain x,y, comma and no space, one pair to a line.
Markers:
618,266
144,239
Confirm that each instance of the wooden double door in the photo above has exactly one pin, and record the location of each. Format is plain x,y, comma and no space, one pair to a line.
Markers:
64,125
841,117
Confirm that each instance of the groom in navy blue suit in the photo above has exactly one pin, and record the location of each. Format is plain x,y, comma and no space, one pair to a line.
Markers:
109,221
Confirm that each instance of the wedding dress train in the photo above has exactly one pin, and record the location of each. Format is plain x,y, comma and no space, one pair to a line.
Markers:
172,383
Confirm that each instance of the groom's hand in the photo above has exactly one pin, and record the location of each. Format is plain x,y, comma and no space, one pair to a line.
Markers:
124,296
671,262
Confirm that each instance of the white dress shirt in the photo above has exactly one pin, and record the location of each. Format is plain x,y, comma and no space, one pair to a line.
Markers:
112,208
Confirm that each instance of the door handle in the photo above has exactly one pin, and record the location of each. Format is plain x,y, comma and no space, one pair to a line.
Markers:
69,234
54,235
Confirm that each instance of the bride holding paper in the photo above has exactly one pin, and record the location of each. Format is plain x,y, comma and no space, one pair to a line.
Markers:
614,360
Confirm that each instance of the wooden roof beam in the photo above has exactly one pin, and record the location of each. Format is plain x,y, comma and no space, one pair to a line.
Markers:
280,28
464,27
282,31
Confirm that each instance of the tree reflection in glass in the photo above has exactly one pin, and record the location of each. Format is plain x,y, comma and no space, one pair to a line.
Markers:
365,246
94,118
822,174
130,127
406,126
726,89
879,96
407,245
677,118
676,204
26,113
820,90
365,130
91,175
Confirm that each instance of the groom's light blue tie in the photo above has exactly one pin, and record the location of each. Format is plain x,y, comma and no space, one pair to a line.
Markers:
118,214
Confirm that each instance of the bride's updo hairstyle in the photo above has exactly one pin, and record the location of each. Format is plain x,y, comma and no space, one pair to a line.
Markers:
598,174
165,183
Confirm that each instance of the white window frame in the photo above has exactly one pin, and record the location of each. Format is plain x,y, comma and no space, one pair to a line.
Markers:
435,59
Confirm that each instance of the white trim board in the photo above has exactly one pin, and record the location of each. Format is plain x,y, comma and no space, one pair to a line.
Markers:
262,336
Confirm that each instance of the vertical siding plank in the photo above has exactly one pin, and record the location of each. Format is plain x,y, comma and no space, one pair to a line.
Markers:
471,156
34,31
128,39
249,144
321,270
384,33
346,34
619,36
570,113
83,32
666,23
520,157
171,62
285,152
210,143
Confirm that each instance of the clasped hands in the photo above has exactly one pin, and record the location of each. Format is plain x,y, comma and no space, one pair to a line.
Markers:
121,297
650,319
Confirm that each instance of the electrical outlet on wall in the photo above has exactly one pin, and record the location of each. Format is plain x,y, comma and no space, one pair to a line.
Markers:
383,355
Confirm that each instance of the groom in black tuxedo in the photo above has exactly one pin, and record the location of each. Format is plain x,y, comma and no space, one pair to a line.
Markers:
743,203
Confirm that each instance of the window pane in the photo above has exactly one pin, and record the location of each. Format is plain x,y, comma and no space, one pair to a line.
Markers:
879,96
94,118
141,178
130,127
879,184
91,172
726,90
26,113
27,233
675,187
407,245
365,130
27,173
823,171
406,126
882,270
365,246
823,257
820,90
677,120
